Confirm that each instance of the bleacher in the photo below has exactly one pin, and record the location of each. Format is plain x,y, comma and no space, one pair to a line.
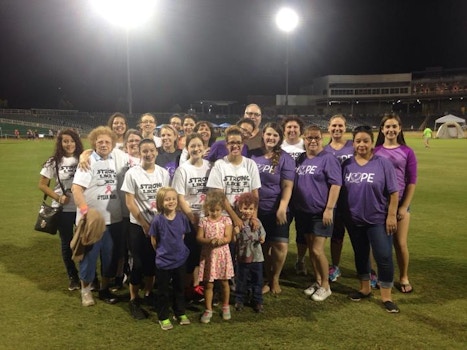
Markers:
83,122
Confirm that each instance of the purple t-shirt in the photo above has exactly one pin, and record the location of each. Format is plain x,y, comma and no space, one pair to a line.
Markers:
313,179
171,251
366,190
219,150
342,154
404,161
270,190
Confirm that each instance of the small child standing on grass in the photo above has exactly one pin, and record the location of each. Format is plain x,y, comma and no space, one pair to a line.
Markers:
167,232
249,254
214,234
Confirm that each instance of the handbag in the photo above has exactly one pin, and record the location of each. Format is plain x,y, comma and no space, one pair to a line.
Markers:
48,216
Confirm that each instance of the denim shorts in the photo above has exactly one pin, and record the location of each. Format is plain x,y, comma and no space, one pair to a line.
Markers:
275,232
308,223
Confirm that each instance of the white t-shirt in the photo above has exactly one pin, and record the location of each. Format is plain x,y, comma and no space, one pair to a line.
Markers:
123,161
66,172
101,192
190,181
183,156
157,141
234,179
293,150
144,187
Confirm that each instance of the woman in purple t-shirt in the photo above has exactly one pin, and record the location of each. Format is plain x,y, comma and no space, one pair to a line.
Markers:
277,173
370,196
342,149
317,184
391,145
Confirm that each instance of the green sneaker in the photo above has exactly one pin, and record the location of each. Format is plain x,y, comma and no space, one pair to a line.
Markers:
183,320
166,325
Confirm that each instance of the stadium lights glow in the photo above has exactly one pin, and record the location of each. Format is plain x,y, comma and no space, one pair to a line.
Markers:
125,13
287,19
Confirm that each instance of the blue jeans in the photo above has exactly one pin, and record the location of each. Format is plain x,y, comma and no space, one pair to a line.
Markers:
362,237
65,229
104,247
249,275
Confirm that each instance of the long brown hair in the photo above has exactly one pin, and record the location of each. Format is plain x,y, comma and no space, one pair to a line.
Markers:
277,150
59,152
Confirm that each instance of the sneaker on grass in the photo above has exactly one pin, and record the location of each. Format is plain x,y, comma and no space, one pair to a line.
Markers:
311,289
87,299
136,310
321,294
334,273
226,313
357,296
391,307
166,325
75,284
206,316
182,320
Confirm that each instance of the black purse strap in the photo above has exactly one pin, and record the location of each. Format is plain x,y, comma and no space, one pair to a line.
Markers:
58,180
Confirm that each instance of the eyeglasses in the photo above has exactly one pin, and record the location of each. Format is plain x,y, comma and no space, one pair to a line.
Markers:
235,143
362,128
147,122
252,113
311,138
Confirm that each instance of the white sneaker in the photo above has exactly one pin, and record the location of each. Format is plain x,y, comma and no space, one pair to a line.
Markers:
87,299
321,294
311,289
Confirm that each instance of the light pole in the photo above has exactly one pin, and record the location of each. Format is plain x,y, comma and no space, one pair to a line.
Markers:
287,21
127,14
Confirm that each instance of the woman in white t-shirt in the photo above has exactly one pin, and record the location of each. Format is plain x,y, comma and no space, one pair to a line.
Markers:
141,185
190,181
234,174
62,164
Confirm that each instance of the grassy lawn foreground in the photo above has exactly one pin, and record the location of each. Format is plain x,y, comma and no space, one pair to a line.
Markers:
38,312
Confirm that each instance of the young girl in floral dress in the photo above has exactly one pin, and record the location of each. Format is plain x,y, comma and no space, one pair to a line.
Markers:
214,234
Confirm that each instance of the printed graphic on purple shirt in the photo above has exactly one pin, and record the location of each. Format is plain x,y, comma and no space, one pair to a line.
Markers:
271,177
366,190
313,179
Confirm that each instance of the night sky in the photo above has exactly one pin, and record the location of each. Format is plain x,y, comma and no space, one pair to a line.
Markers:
214,49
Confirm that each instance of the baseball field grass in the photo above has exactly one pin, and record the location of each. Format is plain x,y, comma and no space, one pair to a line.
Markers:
38,312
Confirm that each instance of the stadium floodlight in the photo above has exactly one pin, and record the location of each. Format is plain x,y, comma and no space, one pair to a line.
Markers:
125,13
287,21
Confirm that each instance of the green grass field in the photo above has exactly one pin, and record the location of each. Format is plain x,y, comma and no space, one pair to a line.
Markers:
38,312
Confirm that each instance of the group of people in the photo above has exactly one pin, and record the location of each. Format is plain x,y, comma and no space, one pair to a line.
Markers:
185,211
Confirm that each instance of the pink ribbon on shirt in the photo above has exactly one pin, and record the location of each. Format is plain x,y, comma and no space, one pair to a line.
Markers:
202,197
108,189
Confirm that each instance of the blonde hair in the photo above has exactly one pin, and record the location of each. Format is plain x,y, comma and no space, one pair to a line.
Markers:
102,130
161,193
214,198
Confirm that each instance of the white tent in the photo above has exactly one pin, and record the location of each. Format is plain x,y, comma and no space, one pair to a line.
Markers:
449,118
450,130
